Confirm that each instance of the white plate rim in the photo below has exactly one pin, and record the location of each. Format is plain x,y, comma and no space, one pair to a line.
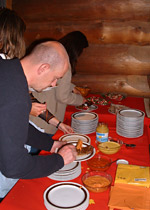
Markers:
88,113
85,191
92,109
131,110
71,169
75,134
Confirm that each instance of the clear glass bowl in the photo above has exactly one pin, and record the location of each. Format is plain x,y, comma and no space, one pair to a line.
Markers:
110,147
97,181
99,162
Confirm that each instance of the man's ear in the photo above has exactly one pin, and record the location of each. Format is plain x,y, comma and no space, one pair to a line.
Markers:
43,68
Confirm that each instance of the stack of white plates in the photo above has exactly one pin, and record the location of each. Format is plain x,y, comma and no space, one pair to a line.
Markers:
84,122
130,123
66,195
68,172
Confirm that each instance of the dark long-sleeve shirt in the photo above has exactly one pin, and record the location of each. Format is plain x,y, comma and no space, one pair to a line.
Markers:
15,131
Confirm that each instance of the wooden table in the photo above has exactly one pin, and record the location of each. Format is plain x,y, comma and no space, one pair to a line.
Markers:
28,194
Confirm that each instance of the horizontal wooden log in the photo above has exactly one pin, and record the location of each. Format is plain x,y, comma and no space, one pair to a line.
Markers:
58,30
128,32
41,11
131,85
115,59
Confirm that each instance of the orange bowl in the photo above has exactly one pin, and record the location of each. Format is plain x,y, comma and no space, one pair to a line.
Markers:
97,181
99,162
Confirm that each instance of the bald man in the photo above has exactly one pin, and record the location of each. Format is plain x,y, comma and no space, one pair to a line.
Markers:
47,63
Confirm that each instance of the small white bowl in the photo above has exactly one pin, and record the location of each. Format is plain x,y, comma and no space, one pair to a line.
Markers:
122,161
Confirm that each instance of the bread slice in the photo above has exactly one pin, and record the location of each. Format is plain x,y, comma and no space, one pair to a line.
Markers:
83,150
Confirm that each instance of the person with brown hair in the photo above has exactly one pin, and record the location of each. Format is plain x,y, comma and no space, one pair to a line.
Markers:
12,45
12,29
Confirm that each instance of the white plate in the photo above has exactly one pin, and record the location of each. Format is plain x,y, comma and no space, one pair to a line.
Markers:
90,108
69,167
84,116
84,157
131,113
66,195
72,172
75,137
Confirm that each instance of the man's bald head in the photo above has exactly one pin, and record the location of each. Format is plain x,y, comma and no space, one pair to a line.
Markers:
47,62
50,52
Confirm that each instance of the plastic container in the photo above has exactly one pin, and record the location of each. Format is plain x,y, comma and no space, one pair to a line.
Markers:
102,132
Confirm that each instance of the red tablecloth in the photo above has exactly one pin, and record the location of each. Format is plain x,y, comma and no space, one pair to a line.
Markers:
28,194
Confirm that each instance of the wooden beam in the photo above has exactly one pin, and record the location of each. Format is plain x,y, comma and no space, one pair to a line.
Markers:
131,85
9,4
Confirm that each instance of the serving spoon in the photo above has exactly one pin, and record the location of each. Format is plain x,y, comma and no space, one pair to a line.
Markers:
127,145
109,164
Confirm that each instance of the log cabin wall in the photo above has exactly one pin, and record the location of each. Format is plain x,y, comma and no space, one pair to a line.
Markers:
118,31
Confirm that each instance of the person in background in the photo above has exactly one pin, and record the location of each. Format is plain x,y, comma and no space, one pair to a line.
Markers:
65,93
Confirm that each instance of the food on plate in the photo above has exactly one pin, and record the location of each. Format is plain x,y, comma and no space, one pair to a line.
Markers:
84,90
83,107
87,106
79,144
98,100
114,108
115,96
83,150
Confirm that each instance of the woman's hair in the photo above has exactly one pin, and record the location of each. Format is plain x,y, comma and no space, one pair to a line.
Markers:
12,29
74,43
36,42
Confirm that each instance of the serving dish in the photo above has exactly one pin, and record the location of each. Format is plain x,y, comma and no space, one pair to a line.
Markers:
99,162
97,181
110,147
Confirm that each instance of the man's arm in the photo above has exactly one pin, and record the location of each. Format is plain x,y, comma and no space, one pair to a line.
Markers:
15,160
38,139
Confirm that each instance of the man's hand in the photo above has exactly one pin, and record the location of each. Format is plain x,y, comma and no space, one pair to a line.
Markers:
57,145
69,153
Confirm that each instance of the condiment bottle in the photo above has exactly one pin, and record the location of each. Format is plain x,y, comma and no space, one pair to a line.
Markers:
102,132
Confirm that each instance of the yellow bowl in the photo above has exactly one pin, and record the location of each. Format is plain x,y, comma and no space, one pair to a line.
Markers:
109,147
99,162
